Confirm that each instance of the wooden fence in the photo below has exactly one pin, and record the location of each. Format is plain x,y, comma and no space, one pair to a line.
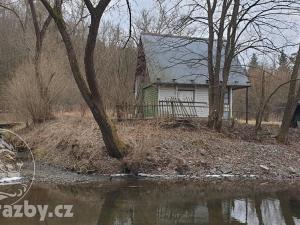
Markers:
165,109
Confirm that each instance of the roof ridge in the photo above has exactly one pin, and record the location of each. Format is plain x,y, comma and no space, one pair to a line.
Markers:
172,36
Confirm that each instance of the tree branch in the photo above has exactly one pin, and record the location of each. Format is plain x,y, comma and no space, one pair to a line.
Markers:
89,6
15,13
130,23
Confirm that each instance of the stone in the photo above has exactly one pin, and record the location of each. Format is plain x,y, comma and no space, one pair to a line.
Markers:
202,152
213,171
13,174
3,175
5,145
182,169
10,167
265,168
203,162
292,170
226,169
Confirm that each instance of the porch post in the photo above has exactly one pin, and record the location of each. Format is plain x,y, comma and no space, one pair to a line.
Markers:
230,101
247,105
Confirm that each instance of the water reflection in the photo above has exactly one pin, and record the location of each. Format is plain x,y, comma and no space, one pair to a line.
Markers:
142,203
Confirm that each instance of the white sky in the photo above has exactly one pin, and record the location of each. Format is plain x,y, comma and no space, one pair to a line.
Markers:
121,16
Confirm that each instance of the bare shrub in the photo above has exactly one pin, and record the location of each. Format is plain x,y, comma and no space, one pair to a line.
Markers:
24,98
83,109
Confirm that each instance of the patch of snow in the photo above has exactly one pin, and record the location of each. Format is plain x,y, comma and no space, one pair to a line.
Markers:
9,180
228,175
252,176
152,175
120,175
214,176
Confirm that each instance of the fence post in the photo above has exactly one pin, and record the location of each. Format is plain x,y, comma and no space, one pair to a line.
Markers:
172,106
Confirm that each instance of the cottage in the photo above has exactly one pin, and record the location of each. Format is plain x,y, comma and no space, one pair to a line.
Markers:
172,68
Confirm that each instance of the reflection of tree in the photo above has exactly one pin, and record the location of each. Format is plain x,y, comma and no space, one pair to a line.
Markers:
152,205
215,214
107,213
295,206
141,206
257,204
285,209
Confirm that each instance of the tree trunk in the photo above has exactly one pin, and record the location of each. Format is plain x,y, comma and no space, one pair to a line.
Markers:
45,107
114,146
215,70
282,136
211,69
219,121
261,109
89,90
292,101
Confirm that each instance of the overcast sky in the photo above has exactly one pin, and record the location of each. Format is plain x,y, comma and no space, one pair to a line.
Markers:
138,5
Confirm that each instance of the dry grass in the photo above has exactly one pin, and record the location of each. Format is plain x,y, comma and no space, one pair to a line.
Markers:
76,143
7,117
252,122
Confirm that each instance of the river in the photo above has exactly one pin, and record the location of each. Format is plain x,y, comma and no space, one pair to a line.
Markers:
133,202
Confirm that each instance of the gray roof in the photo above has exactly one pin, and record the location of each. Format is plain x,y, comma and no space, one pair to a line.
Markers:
183,60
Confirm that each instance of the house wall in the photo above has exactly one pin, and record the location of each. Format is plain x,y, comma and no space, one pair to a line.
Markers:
150,95
201,95
150,98
200,98
165,93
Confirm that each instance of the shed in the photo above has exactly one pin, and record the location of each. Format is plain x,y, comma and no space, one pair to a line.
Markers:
174,67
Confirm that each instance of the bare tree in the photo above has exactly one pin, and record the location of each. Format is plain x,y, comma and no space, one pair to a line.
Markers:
12,45
163,18
292,101
89,88
116,66
40,32
264,105
234,26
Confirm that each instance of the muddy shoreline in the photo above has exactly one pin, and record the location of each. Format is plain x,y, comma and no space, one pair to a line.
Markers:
50,174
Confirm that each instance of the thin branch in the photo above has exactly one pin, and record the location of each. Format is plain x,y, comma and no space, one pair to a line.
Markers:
130,23
15,13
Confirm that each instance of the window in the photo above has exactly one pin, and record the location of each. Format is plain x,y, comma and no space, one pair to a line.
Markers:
186,95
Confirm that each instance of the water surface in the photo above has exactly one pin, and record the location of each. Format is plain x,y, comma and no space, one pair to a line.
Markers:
144,202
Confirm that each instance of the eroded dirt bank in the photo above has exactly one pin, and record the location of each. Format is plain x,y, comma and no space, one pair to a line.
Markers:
169,148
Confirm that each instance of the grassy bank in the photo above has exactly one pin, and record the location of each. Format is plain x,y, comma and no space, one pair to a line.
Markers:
166,147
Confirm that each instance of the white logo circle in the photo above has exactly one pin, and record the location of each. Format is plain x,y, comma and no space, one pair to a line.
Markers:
17,167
